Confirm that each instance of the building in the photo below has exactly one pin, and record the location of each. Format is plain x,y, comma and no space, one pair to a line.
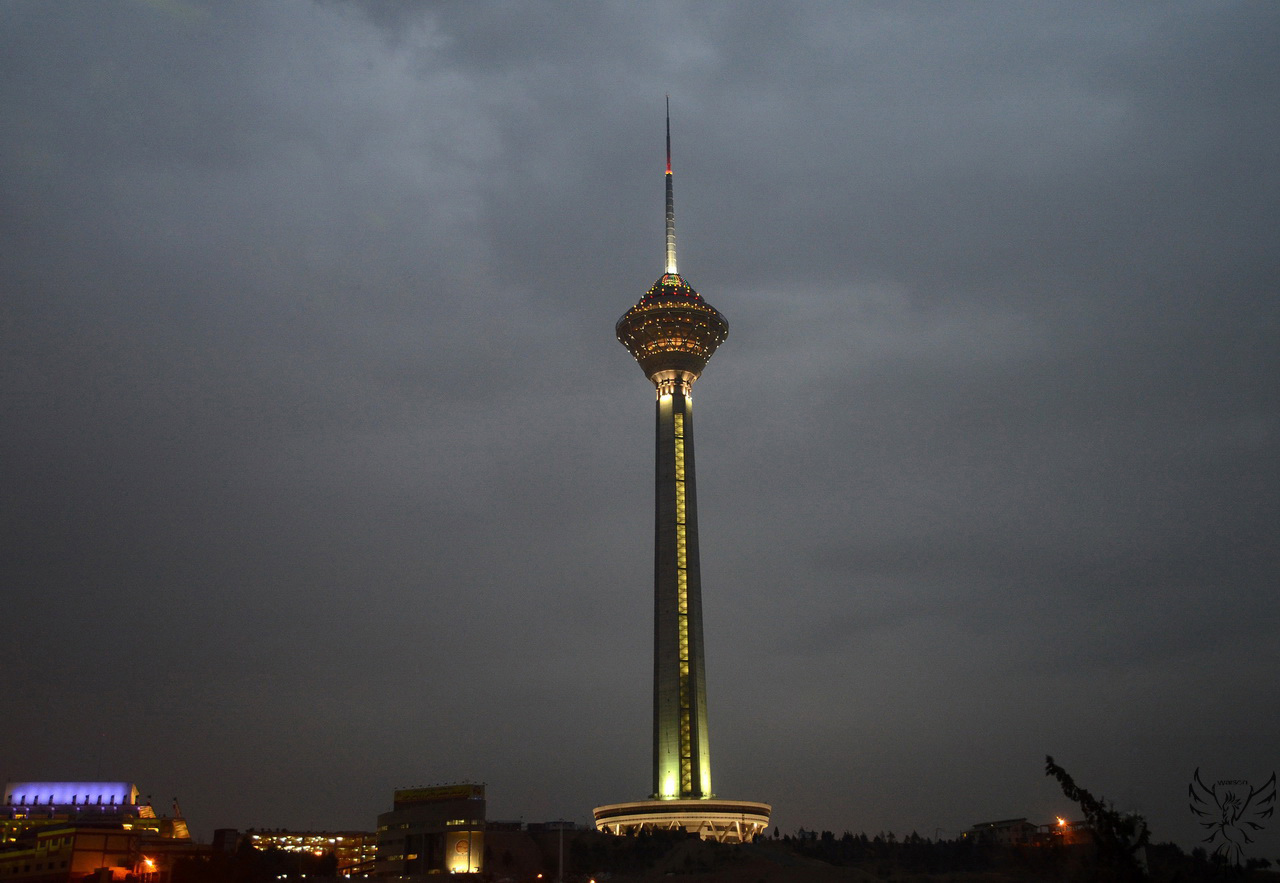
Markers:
354,851
1020,832
60,832
672,332
1004,832
431,831
1065,833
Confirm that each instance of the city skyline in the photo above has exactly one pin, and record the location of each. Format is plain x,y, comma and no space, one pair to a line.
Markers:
315,437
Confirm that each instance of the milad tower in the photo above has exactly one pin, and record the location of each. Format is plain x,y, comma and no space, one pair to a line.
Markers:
672,332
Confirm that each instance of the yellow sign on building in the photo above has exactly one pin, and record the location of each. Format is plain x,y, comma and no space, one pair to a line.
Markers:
410,796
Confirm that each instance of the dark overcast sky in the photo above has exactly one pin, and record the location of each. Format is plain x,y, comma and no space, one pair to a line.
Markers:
325,475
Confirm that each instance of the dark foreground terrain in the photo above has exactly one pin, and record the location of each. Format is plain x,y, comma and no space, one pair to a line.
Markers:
857,859
808,857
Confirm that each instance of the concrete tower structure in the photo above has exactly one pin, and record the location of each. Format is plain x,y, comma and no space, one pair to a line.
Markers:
672,332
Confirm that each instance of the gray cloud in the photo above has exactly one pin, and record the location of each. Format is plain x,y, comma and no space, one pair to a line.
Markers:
324,474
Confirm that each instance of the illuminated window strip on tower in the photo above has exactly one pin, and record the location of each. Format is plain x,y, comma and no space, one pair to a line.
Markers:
682,611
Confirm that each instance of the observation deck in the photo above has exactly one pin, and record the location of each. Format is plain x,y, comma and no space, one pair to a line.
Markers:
672,329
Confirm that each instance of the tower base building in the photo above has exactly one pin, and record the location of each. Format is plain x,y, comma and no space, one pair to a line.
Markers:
724,821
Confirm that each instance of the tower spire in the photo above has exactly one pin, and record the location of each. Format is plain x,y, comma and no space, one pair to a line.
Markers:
671,201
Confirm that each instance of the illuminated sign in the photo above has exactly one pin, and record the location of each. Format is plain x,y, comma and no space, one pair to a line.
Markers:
464,851
411,796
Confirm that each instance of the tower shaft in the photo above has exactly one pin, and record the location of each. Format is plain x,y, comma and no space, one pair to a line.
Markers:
681,745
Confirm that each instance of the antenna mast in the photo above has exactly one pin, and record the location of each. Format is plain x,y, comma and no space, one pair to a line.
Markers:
671,202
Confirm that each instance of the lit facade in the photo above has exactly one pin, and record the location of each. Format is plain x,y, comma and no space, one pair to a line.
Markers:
432,831
672,333
60,832
353,851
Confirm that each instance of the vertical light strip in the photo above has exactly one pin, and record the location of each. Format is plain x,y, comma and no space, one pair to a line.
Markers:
682,610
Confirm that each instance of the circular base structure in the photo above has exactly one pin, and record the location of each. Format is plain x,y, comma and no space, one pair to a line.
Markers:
725,821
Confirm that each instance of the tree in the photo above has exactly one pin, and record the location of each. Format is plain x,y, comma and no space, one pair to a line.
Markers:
1118,836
